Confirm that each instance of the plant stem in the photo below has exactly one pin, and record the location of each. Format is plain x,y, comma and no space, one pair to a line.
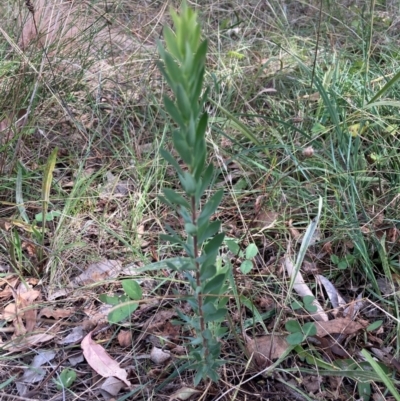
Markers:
198,279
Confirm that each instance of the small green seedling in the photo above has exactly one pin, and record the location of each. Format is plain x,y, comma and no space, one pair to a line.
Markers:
307,304
249,254
343,263
50,216
66,378
375,325
299,333
123,305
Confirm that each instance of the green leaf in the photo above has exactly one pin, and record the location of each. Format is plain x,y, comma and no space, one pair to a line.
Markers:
205,182
217,316
183,102
232,245
189,184
115,300
251,251
174,197
209,308
170,159
215,285
293,326
66,378
182,148
246,266
296,305
207,272
122,311
132,289
207,231
174,112
311,308
170,40
364,390
210,207
342,264
49,216
190,229
334,259
173,70
172,239
213,245
295,338
308,299
308,304
309,329
375,325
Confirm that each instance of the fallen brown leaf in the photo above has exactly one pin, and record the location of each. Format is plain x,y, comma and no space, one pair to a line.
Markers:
266,349
28,341
339,326
55,313
98,272
125,338
98,359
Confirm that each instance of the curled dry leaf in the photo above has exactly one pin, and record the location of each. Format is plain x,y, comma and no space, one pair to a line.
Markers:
183,394
266,348
111,386
333,294
101,362
158,356
340,326
125,338
34,372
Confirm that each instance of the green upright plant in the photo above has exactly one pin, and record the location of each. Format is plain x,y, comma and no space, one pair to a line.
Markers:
183,67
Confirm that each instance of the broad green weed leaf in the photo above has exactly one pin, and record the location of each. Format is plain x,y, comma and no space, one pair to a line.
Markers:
132,289
232,246
122,311
66,378
293,326
251,251
295,338
246,266
113,300
309,329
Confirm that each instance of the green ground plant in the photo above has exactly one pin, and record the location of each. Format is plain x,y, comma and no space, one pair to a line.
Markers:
183,67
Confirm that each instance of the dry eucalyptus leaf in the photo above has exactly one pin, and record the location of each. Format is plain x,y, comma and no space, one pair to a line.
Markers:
98,359
333,294
74,336
340,326
34,372
111,387
266,349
